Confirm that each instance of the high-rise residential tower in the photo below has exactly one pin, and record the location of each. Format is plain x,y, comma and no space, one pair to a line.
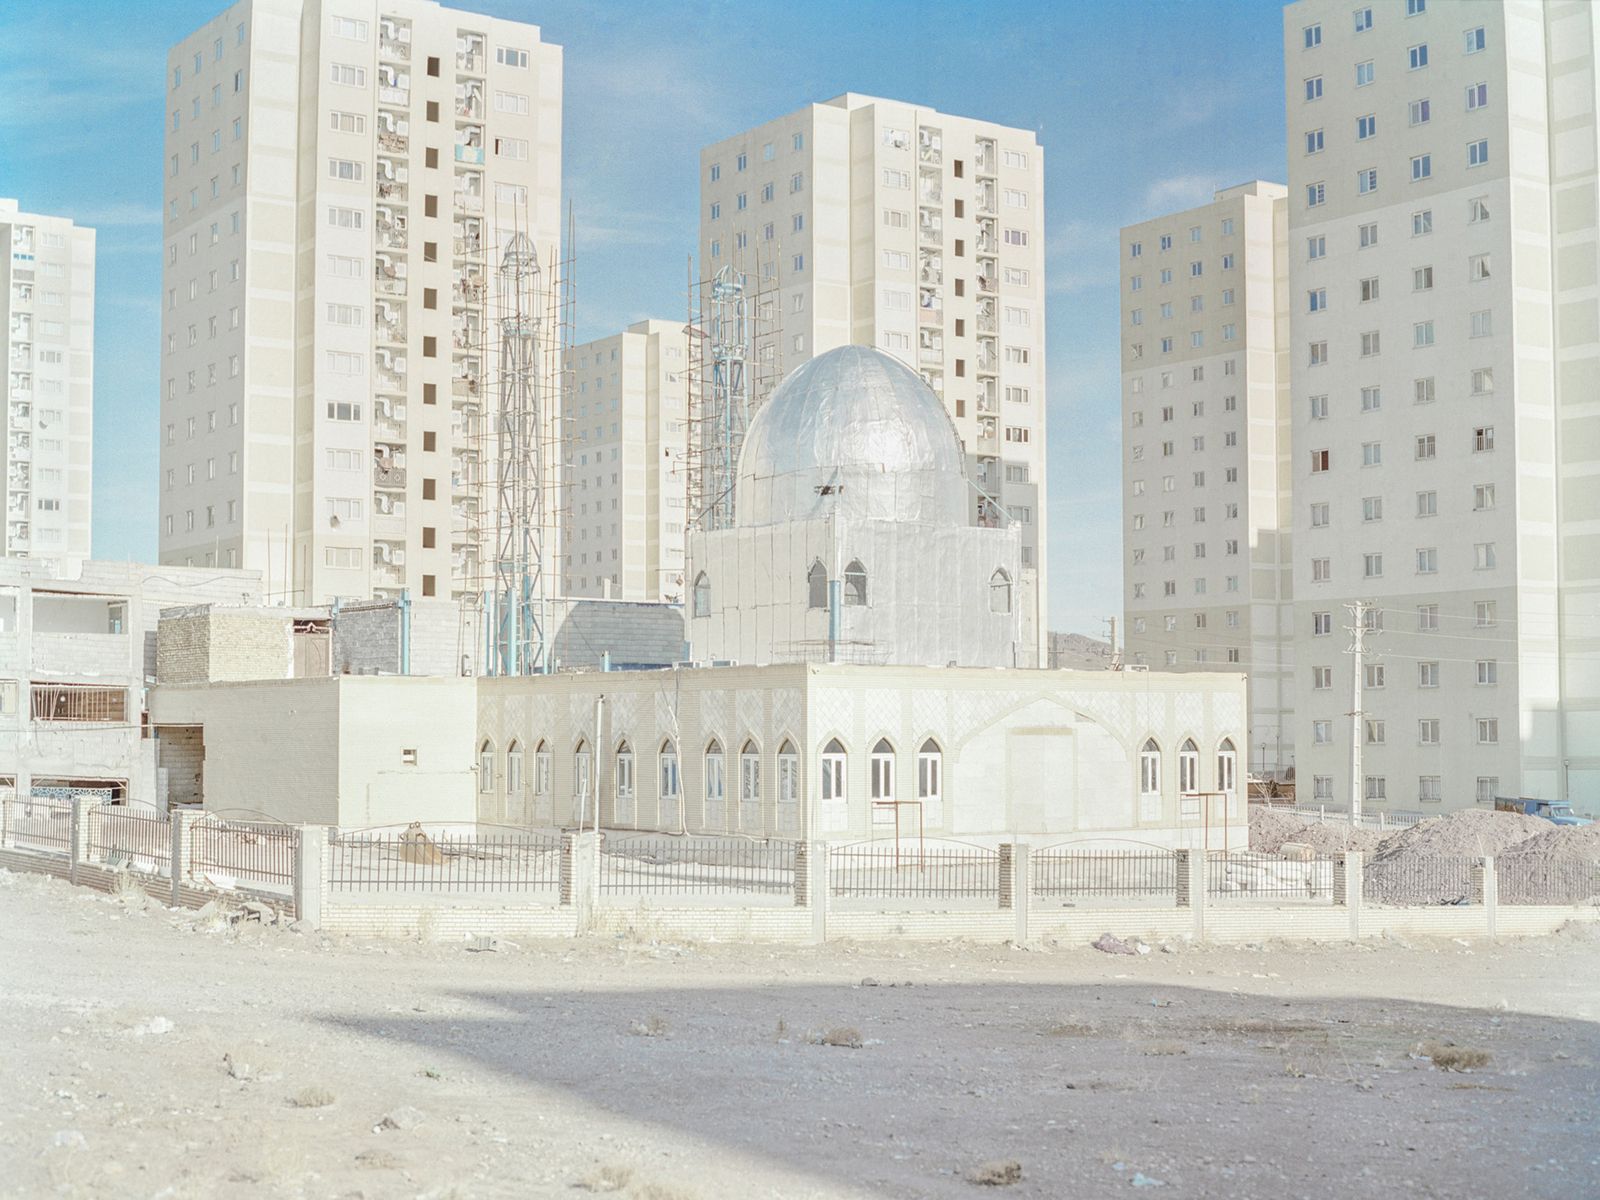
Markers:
1205,399
341,179
47,294
1444,218
627,473
880,223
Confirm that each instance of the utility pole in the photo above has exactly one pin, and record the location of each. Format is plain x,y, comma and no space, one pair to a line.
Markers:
1357,651
1116,653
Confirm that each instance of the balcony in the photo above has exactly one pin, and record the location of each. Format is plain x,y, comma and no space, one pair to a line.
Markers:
467,247
464,385
391,479
930,188
394,48
394,94
390,427
469,101
393,143
467,291
389,525
930,146
469,202
391,331
389,381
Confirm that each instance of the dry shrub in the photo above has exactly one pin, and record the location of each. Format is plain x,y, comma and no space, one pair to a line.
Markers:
312,1097
998,1173
842,1036
654,1026
1450,1057
1164,1049
609,1177
1071,1029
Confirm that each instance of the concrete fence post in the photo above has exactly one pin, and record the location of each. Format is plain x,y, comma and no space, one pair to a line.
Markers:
1488,893
7,803
311,875
1197,892
1350,890
183,820
82,823
817,890
1021,888
1007,874
583,883
1181,859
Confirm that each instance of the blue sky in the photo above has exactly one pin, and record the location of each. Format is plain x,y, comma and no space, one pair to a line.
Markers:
81,108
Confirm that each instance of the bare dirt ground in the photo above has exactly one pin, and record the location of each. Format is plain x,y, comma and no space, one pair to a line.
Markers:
148,1055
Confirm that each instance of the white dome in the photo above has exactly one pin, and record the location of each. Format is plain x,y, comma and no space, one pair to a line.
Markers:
856,431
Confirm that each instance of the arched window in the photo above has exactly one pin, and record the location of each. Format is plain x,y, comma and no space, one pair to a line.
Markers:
855,583
541,769
623,808
582,780
788,789
999,591
750,787
930,774
1188,767
1227,766
486,766
817,586
882,774
1150,769
833,775
702,595
716,811
671,816
514,769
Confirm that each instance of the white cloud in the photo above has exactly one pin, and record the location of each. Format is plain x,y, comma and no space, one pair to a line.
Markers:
1178,192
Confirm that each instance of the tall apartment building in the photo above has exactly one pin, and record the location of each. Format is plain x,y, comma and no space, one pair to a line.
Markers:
627,492
47,295
879,223
1205,396
341,177
1446,371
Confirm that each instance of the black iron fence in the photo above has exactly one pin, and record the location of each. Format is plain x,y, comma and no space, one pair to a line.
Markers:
1104,874
257,851
1245,875
912,870
411,859
695,866
140,838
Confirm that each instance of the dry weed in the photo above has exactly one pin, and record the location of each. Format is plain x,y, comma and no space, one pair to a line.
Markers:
653,1026
608,1177
998,1173
312,1097
842,1036
1164,1049
1449,1057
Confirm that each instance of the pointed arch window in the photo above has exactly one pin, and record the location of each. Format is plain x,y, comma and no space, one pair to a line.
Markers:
1188,767
930,773
670,785
833,772
486,766
882,775
623,809
750,787
702,595
855,583
1150,768
514,768
1000,591
788,813
1227,767
541,769
582,778
817,586
716,810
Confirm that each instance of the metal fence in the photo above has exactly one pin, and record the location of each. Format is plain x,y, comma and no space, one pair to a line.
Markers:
1543,879
410,859
122,836
1107,874
1411,879
1246,875
912,870
695,866
35,823
255,851
1323,815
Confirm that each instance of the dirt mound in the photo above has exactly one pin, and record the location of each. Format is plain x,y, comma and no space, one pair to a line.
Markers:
1559,866
1472,831
1563,841
1270,828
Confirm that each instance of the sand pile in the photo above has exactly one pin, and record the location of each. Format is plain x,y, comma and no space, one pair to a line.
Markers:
1558,866
1431,863
1270,828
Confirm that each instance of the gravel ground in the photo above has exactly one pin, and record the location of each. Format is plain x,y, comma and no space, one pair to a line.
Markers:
148,1054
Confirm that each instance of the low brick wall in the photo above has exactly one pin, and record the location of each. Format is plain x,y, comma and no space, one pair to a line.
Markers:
443,918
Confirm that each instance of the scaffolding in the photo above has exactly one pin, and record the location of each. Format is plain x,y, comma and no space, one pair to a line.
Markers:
518,458
735,361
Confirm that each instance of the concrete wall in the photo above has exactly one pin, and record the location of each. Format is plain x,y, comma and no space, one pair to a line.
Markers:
218,643
383,717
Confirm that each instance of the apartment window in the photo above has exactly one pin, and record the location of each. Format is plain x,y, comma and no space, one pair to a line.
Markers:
1314,88
1321,624
1418,56
1477,210
1478,152
1488,672
345,218
1477,96
1478,268
1427,504
1482,323
1422,333
1372,508
1427,674
1427,618
1322,732
515,149
1367,180
1483,556
1319,461
1483,439
1366,127
1314,141
1319,353
1372,566
1375,732
1364,73
1370,343
346,74
1488,731
345,169
1421,112
1317,300
507,56
1485,614
344,410
1422,279
1373,675
1319,515
1321,678
1316,194
1319,408
1313,36
1427,561
1474,40
1421,168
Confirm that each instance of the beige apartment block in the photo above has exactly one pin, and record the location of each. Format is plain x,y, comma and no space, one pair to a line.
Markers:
627,497
341,178
879,223
47,321
1205,397
1444,217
